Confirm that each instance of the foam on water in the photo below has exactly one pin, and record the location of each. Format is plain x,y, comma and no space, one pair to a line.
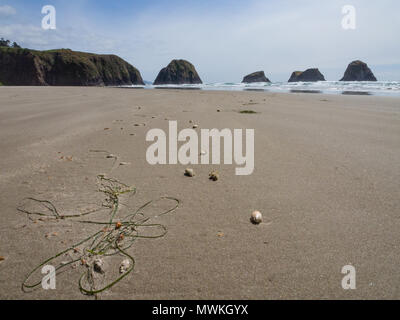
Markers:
385,88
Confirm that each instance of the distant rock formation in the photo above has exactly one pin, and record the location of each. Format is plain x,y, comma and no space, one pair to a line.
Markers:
310,75
258,76
64,67
178,72
358,71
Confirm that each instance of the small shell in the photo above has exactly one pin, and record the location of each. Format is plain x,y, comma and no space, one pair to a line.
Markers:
125,264
189,172
256,217
98,265
214,175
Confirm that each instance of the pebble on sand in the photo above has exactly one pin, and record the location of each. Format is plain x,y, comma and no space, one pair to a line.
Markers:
98,265
256,217
214,176
189,172
125,264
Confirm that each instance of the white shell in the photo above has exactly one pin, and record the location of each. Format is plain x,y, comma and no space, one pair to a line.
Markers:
98,265
125,264
189,172
256,217
214,176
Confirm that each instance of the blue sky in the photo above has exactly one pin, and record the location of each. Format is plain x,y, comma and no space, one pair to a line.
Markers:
224,39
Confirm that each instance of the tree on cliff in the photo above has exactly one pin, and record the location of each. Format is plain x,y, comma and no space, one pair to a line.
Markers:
7,43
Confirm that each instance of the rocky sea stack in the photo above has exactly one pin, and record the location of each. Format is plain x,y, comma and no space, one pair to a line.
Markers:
358,71
258,76
310,75
178,72
64,67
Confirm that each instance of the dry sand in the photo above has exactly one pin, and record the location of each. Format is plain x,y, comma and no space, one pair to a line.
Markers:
327,180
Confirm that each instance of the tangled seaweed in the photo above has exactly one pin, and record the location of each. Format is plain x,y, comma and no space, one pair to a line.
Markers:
114,237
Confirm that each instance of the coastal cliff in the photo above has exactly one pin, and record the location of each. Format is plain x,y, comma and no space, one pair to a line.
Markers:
64,67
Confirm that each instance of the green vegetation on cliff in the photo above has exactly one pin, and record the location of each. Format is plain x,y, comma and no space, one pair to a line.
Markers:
64,67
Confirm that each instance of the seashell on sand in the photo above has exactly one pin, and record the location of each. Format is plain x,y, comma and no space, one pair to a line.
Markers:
214,176
189,172
256,217
124,267
98,265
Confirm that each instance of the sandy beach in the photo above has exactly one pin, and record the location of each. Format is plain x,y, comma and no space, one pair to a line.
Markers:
326,179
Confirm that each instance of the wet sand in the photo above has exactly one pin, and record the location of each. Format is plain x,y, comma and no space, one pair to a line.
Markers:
326,178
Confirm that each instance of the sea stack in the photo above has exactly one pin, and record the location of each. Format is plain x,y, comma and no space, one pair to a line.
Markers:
64,67
178,72
310,75
258,76
358,71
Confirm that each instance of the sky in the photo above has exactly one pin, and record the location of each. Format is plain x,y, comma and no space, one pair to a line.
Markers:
225,40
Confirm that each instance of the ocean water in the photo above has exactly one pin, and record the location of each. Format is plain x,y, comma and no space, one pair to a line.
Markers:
380,88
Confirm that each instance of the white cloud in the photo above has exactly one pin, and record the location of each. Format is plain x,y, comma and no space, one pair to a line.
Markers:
224,45
34,37
6,11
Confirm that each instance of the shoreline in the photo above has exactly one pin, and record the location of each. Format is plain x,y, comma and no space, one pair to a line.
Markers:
244,89
287,88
